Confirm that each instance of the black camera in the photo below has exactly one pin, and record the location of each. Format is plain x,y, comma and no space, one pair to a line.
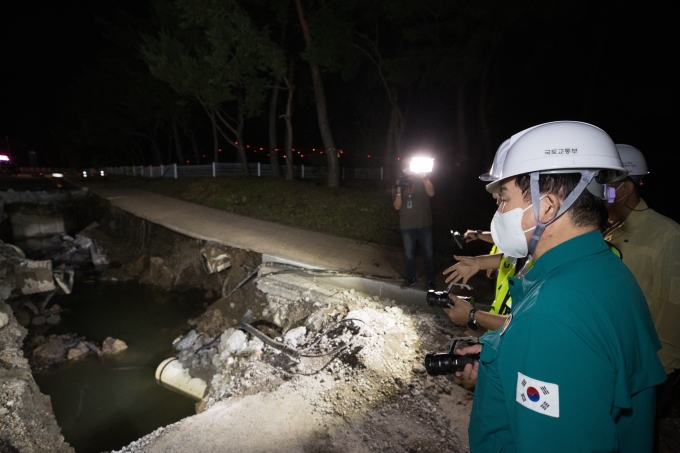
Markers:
404,182
450,362
441,299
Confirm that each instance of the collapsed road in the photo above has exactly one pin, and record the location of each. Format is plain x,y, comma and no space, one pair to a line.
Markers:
286,355
328,366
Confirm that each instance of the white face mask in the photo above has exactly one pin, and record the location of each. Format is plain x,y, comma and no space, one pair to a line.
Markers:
507,233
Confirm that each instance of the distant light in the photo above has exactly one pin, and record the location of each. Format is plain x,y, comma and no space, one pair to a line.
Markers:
247,146
57,175
292,149
369,156
101,172
313,149
4,158
320,152
235,143
398,158
187,161
342,152
284,156
268,154
84,174
219,150
302,155
421,164
261,149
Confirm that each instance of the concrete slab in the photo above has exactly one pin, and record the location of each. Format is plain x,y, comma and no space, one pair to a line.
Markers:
294,245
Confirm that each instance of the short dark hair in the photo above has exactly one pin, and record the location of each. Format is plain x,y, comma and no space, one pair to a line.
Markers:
586,211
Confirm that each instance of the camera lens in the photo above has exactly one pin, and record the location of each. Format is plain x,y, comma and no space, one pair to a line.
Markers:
445,363
438,364
438,299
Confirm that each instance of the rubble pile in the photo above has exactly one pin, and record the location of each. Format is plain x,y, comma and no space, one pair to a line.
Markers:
46,351
352,357
27,423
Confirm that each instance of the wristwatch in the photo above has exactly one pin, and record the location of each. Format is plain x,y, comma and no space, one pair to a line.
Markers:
477,233
472,322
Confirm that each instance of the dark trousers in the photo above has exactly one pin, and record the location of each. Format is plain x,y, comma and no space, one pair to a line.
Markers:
422,236
664,401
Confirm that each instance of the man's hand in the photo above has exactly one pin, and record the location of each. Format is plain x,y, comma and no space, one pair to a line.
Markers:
471,235
470,372
464,269
458,314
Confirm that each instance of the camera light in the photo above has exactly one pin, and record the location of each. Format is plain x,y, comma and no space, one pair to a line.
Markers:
421,164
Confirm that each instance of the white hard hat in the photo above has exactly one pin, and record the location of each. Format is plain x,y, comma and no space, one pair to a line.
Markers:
559,147
498,159
633,160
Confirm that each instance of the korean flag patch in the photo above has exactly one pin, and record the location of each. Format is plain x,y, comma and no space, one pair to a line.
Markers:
539,396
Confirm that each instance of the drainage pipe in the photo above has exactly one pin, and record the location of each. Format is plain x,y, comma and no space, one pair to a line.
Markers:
173,376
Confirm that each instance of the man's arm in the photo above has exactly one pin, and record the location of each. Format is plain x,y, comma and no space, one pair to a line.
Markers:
473,235
460,313
429,188
397,199
558,387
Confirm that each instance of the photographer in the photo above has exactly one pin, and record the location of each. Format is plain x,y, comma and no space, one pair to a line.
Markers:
411,197
574,366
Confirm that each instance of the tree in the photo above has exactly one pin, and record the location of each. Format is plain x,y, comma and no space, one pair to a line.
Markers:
210,50
321,105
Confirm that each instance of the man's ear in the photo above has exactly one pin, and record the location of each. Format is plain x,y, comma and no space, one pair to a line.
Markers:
549,206
626,188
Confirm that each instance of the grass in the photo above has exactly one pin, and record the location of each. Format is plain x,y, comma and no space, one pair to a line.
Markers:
360,210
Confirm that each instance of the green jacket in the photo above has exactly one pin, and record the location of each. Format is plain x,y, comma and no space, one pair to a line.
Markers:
574,367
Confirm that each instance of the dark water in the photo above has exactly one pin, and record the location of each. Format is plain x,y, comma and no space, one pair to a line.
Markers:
104,404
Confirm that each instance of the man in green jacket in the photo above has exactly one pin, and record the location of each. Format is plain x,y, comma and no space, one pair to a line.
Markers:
574,366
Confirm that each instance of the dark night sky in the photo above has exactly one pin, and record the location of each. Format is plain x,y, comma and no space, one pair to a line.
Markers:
611,66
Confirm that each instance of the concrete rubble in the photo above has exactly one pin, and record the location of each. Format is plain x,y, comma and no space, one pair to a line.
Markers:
357,367
27,423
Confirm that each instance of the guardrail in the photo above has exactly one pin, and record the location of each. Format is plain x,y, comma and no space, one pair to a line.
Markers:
223,169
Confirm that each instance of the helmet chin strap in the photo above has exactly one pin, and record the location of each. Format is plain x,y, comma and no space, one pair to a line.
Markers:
586,177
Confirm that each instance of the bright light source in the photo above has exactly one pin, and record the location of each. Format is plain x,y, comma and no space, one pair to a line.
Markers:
57,175
421,164
4,158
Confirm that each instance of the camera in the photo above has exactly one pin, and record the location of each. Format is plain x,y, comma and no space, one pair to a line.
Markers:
441,299
450,362
404,182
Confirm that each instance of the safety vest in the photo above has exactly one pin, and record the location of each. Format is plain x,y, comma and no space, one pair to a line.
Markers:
503,302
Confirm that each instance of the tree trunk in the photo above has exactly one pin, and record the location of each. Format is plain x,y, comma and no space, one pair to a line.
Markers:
155,152
189,133
178,144
395,129
273,157
289,123
239,136
321,107
216,144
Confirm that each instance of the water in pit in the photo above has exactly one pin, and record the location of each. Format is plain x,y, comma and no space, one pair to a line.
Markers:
103,404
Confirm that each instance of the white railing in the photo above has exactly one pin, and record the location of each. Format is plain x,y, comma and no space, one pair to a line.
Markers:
225,169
